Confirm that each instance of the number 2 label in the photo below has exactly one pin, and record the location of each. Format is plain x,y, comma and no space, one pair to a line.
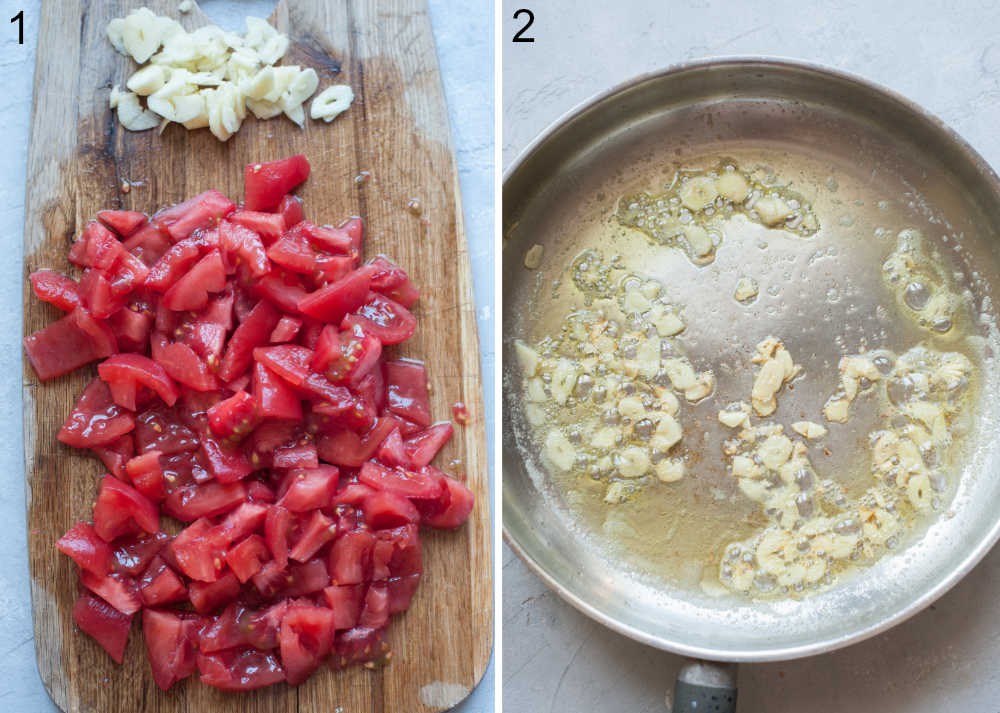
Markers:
519,37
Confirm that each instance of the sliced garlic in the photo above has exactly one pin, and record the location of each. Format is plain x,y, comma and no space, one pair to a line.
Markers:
331,102
809,429
772,210
746,290
533,256
670,471
131,114
733,186
697,193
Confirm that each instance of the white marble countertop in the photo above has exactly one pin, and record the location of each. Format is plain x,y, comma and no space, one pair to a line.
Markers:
944,55
464,35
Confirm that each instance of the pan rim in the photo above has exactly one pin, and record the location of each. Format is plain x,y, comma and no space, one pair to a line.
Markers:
972,557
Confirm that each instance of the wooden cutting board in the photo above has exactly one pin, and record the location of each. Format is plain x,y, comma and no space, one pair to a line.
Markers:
81,160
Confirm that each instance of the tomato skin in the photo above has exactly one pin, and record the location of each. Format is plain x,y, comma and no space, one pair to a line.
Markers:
190,292
170,644
402,482
123,222
149,243
108,626
291,211
242,245
118,590
68,344
160,585
381,317
56,289
267,183
173,264
333,302
253,332
407,390
240,669
190,502
269,226
460,503
139,370
82,543
122,510
205,210
132,555
423,446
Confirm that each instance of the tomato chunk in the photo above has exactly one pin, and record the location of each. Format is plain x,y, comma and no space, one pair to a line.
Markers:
269,226
123,510
69,343
310,488
234,417
253,332
139,369
82,543
333,302
170,643
240,669
147,476
160,585
56,289
108,626
246,558
407,390
380,316
203,211
118,590
306,639
267,183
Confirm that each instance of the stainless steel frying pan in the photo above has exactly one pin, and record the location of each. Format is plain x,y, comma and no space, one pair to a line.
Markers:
869,160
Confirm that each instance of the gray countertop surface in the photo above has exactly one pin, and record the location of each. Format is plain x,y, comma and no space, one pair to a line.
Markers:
943,55
464,34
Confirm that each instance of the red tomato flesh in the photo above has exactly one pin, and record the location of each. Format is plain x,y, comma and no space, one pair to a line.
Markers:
244,390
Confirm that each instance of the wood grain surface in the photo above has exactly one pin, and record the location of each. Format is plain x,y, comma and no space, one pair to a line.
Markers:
79,161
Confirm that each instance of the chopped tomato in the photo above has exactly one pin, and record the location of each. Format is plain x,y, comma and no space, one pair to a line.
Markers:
206,597
123,510
310,488
123,222
460,502
306,639
235,417
170,643
191,291
108,626
56,289
247,557
290,209
137,369
114,455
269,226
146,475
240,669
216,324
286,330
253,332
390,321
333,302
267,183
118,590
82,543
160,585
68,344
133,554
203,211
407,390
180,361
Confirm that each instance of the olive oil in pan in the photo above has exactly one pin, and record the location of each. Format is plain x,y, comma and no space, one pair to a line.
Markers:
822,292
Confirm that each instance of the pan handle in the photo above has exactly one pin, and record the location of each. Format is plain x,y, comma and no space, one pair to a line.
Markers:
704,687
